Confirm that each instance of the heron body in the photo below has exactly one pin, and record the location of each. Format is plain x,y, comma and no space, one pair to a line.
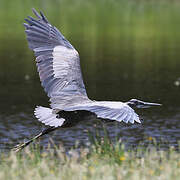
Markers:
58,64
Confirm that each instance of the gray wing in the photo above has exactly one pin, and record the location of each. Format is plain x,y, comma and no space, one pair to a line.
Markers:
57,61
123,113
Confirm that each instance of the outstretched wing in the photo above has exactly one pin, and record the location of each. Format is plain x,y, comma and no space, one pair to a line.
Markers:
109,110
57,61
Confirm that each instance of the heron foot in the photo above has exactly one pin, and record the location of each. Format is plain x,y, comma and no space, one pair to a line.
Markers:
19,147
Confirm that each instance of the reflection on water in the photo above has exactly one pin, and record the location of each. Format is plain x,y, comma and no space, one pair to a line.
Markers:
109,74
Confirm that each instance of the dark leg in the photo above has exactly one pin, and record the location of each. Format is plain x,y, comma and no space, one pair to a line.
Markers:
23,145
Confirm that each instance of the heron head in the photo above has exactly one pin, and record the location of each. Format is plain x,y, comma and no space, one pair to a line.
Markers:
135,103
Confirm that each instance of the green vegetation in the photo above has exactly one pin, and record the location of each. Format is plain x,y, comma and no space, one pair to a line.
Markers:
100,161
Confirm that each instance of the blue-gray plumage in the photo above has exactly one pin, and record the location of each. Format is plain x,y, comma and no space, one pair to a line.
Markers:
59,69
58,64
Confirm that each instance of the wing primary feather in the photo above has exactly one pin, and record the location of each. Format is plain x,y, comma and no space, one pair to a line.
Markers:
137,118
32,19
38,24
38,40
132,118
28,21
26,25
41,22
121,116
44,17
36,34
38,29
112,115
36,13
128,115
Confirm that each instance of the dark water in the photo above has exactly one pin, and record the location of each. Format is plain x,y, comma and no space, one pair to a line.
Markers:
115,69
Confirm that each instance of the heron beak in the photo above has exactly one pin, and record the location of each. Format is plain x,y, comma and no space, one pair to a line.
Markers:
147,105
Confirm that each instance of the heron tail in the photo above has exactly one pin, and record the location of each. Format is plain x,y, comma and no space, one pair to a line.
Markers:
48,116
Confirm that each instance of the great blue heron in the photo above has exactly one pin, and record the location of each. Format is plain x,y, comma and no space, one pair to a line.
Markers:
59,70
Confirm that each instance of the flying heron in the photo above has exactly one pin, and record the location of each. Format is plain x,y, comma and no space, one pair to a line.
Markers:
58,64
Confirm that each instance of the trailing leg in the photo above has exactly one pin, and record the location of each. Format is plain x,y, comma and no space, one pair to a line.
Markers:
23,145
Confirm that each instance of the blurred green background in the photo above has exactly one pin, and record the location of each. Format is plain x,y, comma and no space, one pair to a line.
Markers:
130,46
